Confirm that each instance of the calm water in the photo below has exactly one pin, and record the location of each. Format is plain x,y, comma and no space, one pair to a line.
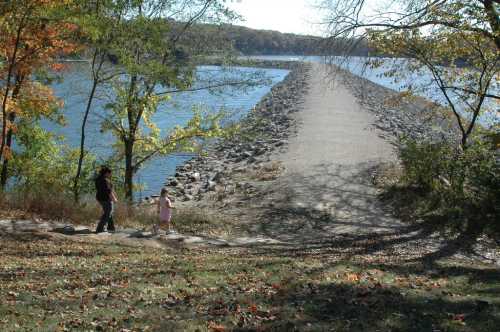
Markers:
75,88
422,82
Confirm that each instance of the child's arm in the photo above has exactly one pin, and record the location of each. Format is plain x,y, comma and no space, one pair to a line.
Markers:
169,204
158,206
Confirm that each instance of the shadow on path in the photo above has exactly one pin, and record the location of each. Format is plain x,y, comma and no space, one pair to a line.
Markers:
337,209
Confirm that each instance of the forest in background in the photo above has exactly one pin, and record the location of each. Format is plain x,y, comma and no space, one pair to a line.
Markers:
247,41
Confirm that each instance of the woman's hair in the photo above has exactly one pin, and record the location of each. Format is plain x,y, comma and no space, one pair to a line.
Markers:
163,192
104,170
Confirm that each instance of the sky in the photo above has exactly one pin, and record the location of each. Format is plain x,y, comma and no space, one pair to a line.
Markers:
295,16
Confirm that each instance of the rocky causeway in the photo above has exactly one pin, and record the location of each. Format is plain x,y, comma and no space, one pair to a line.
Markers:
300,169
268,126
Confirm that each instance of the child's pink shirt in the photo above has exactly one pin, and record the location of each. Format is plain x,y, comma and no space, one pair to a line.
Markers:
165,211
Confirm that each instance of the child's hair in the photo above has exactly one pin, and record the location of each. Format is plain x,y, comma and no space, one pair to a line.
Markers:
163,192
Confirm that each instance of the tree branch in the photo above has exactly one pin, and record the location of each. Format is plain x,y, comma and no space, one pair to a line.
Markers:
208,87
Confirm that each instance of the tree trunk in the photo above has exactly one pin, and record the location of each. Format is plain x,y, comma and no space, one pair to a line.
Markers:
10,133
8,144
464,140
129,170
76,181
12,63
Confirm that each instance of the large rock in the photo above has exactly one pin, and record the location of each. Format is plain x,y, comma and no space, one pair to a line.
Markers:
72,230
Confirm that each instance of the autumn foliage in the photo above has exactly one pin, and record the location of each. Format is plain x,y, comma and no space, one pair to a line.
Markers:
34,35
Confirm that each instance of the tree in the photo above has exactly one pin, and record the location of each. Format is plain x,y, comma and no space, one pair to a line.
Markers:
96,21
155,60
33,35
456,41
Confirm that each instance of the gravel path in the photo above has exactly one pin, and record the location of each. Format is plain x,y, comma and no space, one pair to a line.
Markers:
327,168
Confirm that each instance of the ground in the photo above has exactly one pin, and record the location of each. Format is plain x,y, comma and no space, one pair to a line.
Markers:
49,285
321,253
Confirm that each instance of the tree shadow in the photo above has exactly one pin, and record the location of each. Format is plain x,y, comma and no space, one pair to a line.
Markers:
332,199
355,307
337,209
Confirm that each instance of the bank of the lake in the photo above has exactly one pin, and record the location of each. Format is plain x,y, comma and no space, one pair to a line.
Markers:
75,86
263,131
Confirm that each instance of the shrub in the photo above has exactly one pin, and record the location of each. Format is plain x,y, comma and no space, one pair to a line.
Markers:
42,163
464,185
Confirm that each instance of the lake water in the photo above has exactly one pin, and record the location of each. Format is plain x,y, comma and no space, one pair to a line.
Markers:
76,85
423,82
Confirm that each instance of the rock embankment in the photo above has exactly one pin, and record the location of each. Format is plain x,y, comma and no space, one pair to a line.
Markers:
412,117
264,130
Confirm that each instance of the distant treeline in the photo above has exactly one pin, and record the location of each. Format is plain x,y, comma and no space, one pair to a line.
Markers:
211,39
266,42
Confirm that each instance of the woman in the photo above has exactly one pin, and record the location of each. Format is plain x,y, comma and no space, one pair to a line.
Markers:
106,197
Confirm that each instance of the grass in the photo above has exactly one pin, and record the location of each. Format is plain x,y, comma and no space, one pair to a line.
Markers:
87,213
62,208
200,222
57,285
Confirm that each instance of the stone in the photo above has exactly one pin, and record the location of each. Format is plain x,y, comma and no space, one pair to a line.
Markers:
211,185
280,143
195,177
260,152
72,230
217,177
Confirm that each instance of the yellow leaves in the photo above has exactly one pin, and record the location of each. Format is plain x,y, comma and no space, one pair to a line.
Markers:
12,106
352,277
216,327
37,100
7,153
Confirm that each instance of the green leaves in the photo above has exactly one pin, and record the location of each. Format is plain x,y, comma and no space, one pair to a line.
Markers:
43,164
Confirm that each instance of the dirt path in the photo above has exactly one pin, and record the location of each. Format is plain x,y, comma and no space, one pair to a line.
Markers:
326,187
125,237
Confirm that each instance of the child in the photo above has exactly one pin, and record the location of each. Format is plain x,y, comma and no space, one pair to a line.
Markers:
164,211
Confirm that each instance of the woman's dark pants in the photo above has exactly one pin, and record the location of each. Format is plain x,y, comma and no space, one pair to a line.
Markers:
107,217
